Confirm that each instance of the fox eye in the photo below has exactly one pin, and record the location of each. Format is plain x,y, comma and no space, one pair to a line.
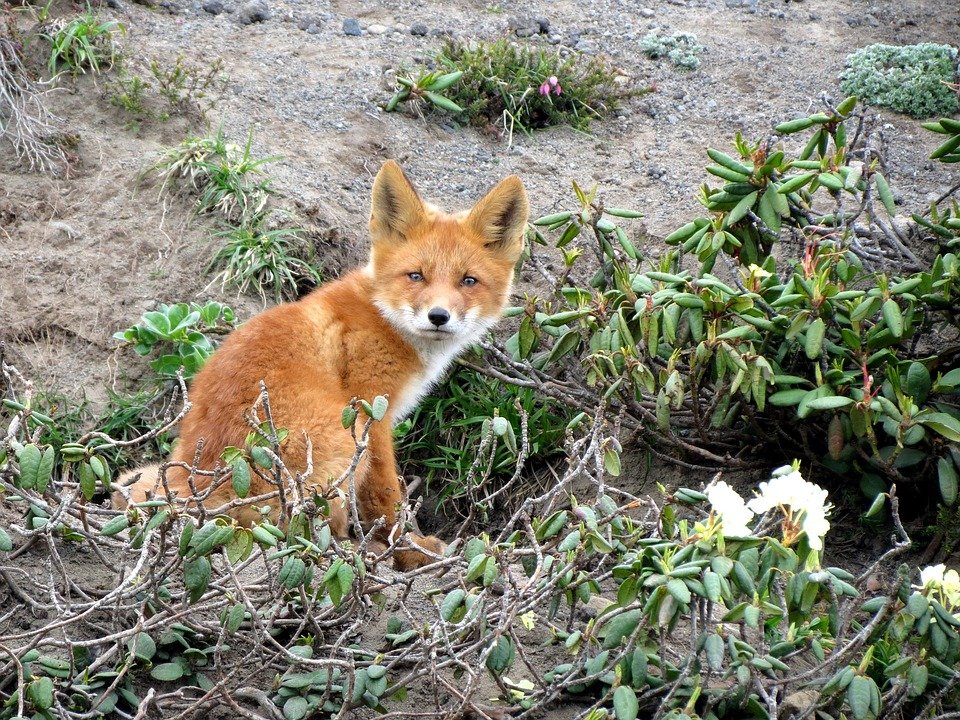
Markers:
415,276
468,281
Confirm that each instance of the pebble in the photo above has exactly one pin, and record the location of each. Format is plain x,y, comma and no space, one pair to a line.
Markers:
377,29
711,103
305,23
419,29
255,11
647,12
351,26
214,7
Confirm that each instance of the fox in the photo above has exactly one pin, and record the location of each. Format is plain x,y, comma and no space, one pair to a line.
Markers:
434,283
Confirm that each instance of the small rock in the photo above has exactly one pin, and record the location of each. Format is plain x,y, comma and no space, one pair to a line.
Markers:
544,24
711,104
115,4
672,119
647,12
304,23
525,26
587,47
555,39
214,7
419,29
255,11
377,29
312,29
351,26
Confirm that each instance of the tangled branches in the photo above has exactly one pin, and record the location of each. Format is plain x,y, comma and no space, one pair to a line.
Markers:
26,122
615,602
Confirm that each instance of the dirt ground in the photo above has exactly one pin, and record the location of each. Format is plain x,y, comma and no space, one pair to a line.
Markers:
84,255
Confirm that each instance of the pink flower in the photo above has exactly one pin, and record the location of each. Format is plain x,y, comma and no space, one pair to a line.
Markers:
551,84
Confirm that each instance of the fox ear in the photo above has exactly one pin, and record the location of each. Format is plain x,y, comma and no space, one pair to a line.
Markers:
501,217
396,207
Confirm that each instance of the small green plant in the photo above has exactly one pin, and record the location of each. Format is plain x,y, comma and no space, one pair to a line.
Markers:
187,87
449,424
128,92
86,42
226,178
428,87
516,87
912,79
183,327
254,257
680,47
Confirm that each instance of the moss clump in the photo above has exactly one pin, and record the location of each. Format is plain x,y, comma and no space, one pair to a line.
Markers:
912,79
682,48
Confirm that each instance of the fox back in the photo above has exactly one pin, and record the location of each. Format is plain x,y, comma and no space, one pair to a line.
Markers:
435,282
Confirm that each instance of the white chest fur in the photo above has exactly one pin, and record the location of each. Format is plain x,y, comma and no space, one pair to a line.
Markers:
436,358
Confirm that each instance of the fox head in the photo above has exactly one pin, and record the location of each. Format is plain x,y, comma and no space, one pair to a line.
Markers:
438,278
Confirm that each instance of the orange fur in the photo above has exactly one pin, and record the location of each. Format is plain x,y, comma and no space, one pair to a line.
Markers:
364,335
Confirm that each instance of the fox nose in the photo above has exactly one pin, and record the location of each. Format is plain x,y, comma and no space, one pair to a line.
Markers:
438,316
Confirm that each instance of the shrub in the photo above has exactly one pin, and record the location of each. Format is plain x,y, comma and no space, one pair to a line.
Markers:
517,87
912,79
180,330
819,354
680,47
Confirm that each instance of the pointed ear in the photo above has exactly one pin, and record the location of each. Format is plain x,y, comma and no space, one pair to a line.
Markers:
396,208
501,217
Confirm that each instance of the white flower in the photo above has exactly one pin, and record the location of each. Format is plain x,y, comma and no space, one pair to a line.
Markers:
931,576
787,489
731,509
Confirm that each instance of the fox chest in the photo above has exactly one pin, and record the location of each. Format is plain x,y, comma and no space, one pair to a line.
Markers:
435,365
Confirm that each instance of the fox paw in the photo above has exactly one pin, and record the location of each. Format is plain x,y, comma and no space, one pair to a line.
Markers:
411,559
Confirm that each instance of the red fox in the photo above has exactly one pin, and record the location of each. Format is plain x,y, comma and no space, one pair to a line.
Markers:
433,284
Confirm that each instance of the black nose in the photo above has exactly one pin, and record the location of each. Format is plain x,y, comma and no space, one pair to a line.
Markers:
438,316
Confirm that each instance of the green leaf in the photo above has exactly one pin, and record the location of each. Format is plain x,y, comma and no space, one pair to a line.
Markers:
241,477
893,317
611,461
886,197
143,646
196,576
441,102
947,474
6,544
715,648
29,458
945,424
347,417
115,525
918,382
678,588
379,407
87,480
813,345
784,398
41,693
625,704
859,696
831,402
167,672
